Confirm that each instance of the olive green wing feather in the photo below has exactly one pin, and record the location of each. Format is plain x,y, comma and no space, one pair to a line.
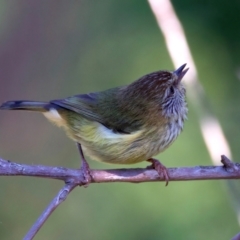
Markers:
104,108
84,104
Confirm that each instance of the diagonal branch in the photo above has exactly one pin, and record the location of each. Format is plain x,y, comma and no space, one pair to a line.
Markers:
59,198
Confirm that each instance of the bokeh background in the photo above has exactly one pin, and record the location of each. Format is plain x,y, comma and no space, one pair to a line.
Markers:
54,49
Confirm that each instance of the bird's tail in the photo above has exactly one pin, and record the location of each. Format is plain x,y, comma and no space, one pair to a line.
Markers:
26,105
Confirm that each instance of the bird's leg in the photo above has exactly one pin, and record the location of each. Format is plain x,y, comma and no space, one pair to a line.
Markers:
84,166
160,168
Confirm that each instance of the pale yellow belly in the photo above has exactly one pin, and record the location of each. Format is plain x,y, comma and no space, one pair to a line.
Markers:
102,144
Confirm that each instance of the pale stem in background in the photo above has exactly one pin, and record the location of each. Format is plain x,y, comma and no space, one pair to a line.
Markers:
180,53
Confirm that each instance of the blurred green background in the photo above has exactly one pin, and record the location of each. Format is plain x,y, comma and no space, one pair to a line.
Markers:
54,49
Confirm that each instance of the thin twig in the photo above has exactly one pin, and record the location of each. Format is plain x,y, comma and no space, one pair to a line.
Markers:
228,164
236,237
75,177
227,171
60,197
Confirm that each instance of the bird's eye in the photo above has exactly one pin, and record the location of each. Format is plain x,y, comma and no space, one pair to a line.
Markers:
172,90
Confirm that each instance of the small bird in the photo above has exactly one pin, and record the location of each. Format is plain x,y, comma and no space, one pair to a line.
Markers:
122,125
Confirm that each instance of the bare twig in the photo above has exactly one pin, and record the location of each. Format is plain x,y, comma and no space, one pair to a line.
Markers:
8,168
236,237
75,177
60,197
228,164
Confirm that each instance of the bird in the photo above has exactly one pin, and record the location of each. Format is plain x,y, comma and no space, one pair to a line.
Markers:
121,125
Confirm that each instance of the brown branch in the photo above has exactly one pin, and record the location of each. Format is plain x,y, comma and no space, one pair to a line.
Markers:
229,170
236,237
74,178
60,197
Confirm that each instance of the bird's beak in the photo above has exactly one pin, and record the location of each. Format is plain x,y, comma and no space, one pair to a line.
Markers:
180,73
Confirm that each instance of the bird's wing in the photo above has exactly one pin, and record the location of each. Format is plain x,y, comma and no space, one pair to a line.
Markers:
83,104
104,109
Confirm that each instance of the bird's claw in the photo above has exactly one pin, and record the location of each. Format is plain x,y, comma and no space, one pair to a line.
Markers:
160,168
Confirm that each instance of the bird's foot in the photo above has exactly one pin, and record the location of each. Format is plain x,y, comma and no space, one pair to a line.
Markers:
84,168
159,167
86,173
